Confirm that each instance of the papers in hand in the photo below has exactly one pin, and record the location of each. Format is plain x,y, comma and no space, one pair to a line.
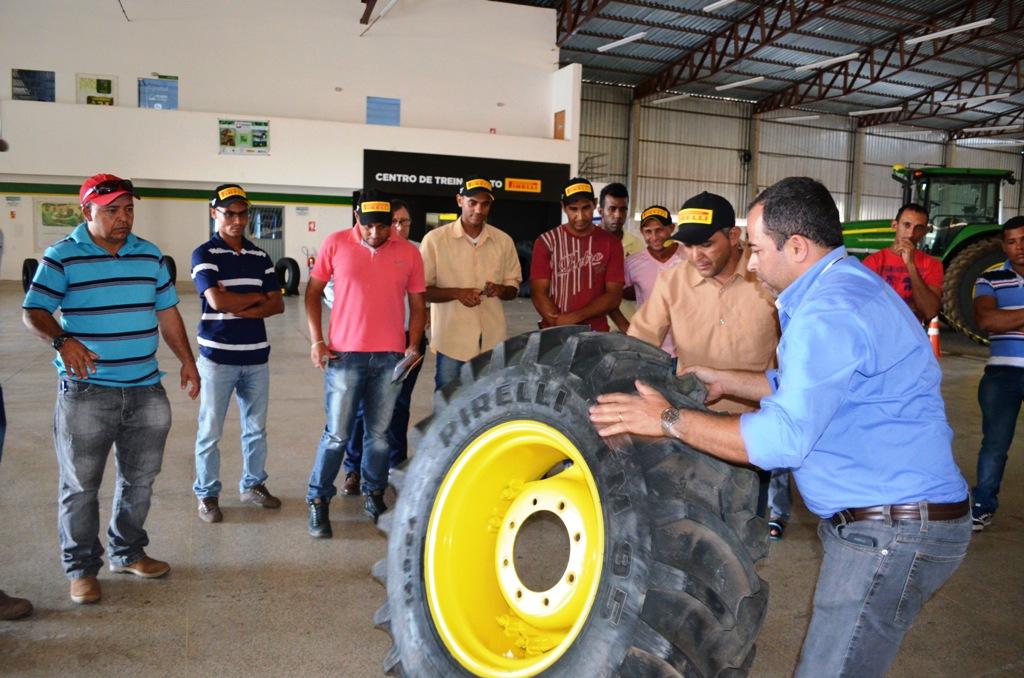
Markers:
405,366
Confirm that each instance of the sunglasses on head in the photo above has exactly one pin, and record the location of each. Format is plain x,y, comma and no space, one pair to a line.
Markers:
108,187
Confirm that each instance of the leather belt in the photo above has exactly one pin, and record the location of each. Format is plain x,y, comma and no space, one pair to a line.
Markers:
902,512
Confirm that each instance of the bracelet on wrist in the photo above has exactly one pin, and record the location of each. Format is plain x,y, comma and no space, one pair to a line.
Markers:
319,341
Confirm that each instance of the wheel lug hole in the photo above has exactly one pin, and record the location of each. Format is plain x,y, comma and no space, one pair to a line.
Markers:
504,563
561,506
519,594
576,537
572,578
546,602
534,502
512,525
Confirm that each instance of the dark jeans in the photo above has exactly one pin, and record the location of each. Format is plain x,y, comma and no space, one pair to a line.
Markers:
446,370
874,579
1000,394
88,421
398,430
351,378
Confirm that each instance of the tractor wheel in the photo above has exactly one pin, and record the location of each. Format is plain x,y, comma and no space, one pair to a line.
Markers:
28,271
172,268
522,542
287,270
958,285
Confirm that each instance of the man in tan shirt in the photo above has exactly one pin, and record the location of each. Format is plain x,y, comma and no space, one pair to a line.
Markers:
716,310
470,268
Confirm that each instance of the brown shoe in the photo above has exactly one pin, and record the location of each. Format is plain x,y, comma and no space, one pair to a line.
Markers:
209,510
85,590
146,567
260,495
351,484
13,608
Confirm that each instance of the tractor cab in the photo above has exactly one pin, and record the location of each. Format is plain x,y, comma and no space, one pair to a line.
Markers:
956,199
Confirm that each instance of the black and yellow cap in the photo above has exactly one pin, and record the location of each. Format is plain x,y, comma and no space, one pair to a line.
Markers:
656,212
374,208
578,188
475,185
701,216
226,194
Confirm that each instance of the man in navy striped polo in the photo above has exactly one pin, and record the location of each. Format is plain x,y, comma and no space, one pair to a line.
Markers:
115,297
999,310
237,288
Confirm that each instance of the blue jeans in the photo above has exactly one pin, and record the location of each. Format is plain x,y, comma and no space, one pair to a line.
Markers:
398,429
251,386
780,496
89,419
349,379
446,370
874,579
1000,394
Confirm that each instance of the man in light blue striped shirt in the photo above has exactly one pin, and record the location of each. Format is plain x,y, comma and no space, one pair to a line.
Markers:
999,310
237,289
115,297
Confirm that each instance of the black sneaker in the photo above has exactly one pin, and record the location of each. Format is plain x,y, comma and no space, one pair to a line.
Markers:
374,505
979,521
319,519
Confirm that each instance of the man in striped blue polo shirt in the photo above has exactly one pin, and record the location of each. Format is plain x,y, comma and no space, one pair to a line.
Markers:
237,289
999,310
115,297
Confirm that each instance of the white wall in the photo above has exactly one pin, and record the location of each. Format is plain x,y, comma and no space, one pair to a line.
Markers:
451,62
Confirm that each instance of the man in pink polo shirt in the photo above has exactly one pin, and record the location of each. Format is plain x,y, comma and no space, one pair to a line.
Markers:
642,267
373,275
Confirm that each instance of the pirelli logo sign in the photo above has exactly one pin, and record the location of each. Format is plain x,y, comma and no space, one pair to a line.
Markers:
695,216
522,185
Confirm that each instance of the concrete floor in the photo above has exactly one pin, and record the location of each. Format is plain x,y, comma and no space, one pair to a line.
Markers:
255,595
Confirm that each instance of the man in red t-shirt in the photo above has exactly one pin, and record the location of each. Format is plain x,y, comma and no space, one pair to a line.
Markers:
915,276
577,273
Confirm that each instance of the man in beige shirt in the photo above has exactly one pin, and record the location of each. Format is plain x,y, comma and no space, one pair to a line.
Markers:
716,310
470,268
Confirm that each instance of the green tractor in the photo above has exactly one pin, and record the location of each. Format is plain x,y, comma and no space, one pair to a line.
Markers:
965,208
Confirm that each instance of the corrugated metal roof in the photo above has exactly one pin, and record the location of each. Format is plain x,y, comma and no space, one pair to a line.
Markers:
679,29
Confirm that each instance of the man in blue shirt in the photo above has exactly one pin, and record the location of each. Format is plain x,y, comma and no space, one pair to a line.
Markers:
237,289
855,410
999,310
115,297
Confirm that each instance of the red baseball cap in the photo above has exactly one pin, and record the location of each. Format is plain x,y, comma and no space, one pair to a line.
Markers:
104,189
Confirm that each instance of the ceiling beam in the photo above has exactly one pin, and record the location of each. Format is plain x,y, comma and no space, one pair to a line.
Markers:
1014,117
370,4
753,30
889,56
1004,76
574,14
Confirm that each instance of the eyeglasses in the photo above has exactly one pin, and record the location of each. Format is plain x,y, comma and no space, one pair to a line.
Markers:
229,214
108,187
401,222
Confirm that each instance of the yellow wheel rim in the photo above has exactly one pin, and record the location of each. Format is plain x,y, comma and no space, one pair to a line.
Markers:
488,619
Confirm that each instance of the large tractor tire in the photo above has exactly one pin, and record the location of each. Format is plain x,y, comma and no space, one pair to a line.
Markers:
958,285
646,567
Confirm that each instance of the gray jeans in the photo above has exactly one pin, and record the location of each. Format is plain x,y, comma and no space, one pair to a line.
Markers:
874,580
89,420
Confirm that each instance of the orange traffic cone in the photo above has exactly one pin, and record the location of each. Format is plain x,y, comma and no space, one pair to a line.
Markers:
933,336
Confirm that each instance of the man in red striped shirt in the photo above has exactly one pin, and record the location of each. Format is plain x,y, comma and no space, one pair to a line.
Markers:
577,272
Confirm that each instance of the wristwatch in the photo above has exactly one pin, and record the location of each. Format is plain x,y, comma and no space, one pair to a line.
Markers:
669,416
59,340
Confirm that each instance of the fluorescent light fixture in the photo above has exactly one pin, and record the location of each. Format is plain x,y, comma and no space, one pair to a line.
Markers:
949,31
624,41
872,111
997,128
741,83
718,5
796,118
666,100
828,62
990,142
974,100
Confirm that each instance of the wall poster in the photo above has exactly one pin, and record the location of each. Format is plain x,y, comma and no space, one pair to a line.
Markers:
244,137
97,90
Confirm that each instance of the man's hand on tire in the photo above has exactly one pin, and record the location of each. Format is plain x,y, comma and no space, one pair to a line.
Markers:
628,413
